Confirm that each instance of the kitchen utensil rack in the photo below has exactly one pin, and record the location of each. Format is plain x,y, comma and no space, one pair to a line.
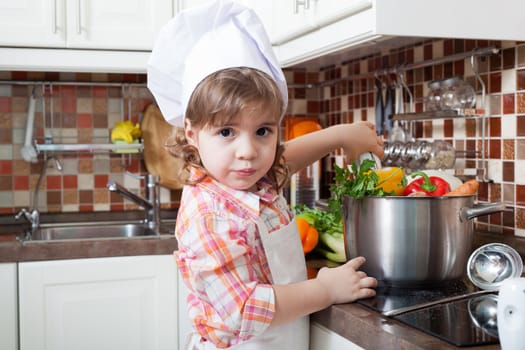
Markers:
50,146
478,114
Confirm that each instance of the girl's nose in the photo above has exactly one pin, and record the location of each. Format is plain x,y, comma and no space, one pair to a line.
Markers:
246,148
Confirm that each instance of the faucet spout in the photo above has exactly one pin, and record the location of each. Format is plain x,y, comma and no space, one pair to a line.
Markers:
151,203
124,192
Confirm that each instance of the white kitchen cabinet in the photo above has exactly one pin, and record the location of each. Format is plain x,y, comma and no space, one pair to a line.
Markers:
83,24
322,338
8,307
367,25
105,36
103,303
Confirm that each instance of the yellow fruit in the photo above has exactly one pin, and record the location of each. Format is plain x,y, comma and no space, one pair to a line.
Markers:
126,131
391,179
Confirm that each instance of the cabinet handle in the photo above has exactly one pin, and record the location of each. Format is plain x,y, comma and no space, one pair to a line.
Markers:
54,17
79,17
304,3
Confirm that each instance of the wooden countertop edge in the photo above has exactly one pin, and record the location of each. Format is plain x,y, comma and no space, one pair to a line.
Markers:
16,251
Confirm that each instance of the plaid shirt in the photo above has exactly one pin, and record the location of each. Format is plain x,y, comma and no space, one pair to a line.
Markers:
222,260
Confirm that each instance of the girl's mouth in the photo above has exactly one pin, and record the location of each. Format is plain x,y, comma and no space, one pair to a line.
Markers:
245,172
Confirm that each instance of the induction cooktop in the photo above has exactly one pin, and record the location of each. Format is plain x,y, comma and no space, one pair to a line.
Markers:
441,311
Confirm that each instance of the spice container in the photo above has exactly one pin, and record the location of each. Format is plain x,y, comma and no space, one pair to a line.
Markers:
420,154
433,100
442,156
450,93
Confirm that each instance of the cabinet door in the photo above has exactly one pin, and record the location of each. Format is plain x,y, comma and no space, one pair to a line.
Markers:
290,19
329,11
37,23
8,307
116,24
322,338
104,303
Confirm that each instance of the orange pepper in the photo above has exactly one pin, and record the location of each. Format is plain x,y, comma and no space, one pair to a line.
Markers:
308,234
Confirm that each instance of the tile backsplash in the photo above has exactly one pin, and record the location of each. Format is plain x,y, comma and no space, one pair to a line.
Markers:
334,95
85,113
70,109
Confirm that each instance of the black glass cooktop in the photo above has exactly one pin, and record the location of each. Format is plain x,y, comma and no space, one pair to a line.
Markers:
452,322
441,311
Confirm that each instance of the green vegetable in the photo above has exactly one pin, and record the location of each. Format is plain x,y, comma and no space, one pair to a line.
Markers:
331,239
358,183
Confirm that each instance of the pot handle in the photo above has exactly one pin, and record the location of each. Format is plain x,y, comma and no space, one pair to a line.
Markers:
480,209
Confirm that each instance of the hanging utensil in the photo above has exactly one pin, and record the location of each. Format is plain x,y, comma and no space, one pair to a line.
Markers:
389,107
379,106
397,133
407,126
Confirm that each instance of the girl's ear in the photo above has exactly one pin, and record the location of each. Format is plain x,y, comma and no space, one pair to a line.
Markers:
190,133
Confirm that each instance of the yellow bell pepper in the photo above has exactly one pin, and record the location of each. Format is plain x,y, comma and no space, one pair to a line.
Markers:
391,179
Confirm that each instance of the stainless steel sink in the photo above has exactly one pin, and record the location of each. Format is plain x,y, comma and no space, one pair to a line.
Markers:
95,231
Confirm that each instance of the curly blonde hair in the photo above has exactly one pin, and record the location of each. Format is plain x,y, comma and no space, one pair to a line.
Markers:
218,99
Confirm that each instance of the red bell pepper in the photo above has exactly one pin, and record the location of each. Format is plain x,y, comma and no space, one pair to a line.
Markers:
430,185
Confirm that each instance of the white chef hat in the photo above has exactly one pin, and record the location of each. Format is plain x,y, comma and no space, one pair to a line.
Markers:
202,40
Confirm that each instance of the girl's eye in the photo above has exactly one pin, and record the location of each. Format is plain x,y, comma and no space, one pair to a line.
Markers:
263,131
226,132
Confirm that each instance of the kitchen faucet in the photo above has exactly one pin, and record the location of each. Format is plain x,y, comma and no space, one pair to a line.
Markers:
151,203
33,215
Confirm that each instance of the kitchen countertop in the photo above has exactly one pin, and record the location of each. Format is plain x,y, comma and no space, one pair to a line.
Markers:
357,323
12,249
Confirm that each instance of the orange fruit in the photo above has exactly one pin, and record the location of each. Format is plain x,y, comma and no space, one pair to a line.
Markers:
304,127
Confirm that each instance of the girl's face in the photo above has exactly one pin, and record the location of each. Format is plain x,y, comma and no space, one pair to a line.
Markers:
240,153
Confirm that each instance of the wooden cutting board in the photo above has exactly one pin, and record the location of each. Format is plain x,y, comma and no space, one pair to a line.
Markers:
155,132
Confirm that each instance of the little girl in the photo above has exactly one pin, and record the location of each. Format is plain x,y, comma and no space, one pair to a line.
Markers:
239,251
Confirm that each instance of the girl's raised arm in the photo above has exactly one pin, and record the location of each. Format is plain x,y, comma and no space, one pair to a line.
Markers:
355,139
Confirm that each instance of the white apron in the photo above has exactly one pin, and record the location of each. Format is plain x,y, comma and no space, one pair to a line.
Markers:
286,261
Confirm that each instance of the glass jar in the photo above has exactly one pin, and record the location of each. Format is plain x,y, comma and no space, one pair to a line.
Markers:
433,100
442,156
449,97
466,95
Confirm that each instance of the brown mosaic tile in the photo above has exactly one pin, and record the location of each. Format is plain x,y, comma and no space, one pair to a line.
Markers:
495,62
521,55
508,171
54,198
101,196
520,195
520,103
509,58
70,197
520,79
520,149
508,220
508,193
520,125
495,192
448,70
520,218
495,127
86,196
508,103
6,183
494,83
508,149
495,149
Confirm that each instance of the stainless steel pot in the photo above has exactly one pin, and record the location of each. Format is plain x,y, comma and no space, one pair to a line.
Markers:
412,240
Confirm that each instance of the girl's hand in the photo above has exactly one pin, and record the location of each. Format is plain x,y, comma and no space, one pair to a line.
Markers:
345,283
360,137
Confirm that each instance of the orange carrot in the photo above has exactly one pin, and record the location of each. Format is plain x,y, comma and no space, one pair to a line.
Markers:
468,188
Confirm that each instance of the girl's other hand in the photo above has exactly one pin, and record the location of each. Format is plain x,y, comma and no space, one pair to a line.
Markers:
361,137
345,283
